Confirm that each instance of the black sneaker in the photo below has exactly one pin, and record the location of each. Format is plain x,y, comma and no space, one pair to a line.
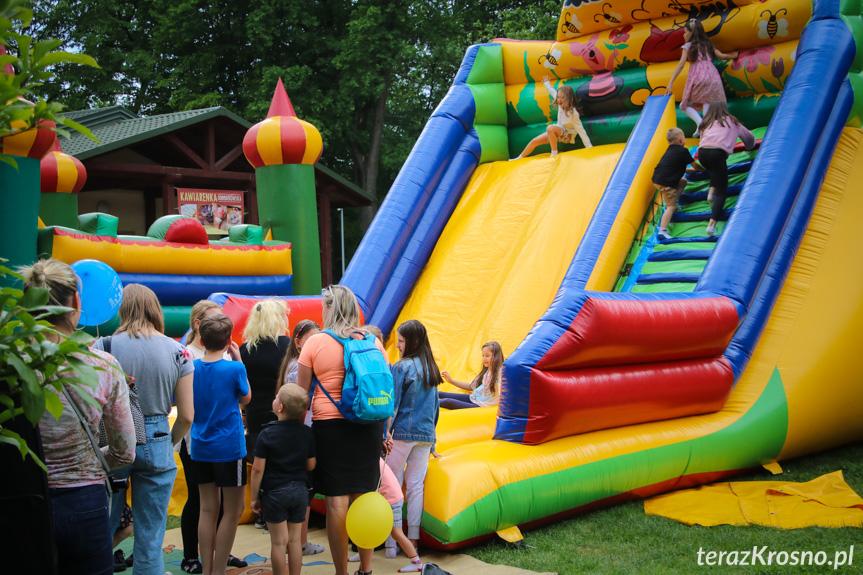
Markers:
192,566
130,560
119,561
236,562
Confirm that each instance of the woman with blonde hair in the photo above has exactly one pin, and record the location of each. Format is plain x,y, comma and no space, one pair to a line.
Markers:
348,452
265,344
163,374
76,478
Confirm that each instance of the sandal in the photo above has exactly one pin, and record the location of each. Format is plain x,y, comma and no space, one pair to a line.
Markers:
192,566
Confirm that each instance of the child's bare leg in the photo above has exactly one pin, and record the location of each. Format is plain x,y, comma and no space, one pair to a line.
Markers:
234,502
531,145
304,536
210,503
553,132
410,550
295,548
666,217
278,542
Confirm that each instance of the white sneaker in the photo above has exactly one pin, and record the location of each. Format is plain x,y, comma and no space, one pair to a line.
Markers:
392,552
310,548
354,558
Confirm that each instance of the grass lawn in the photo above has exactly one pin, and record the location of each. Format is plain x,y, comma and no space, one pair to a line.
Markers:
623,540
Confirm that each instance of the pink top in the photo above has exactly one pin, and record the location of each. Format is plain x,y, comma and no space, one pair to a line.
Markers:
69,454
390,488
724,137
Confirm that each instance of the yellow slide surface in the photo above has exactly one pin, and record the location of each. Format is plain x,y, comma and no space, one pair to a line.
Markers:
500,259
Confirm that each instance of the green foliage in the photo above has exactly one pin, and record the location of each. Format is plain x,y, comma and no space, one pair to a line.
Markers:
30,361
21,108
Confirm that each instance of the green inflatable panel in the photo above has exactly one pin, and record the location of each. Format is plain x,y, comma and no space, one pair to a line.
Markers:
246,235
490,103
58,209
493,142
98,224
19,189
487,66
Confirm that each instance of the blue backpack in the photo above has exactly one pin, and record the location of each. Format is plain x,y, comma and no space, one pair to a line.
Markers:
367,394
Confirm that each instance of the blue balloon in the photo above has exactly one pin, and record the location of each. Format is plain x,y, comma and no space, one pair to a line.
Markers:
101,291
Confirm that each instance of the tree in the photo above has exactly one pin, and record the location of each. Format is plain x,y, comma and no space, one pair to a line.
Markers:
366,73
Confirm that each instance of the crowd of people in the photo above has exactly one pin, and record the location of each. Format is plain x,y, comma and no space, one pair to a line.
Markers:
297,441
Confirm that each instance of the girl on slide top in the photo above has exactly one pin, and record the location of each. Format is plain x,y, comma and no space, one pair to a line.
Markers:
484,388
568,124
703,84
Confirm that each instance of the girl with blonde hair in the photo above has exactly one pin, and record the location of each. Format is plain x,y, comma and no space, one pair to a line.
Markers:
265,343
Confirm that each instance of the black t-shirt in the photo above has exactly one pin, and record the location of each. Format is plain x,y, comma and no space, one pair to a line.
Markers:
672,166
286,445
262,367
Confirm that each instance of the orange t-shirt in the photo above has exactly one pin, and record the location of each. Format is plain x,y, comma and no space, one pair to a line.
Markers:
326,357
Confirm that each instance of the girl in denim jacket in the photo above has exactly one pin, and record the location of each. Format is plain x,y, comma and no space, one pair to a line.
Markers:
412,431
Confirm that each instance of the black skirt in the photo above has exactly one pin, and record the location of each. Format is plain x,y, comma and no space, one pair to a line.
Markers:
348,456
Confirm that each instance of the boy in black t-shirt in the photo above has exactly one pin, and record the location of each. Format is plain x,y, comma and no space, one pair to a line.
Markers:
668,176
284,454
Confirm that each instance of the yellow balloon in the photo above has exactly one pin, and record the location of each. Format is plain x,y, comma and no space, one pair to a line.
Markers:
369,520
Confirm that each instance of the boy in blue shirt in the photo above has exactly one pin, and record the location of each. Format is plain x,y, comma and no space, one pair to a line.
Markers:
218,445
284,455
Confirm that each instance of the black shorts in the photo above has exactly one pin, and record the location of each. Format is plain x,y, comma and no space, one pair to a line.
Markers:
223,474
287,503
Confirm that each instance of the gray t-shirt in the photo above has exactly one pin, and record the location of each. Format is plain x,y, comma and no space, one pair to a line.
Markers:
156,362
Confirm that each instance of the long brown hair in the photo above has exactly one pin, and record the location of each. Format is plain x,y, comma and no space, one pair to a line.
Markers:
140,311
417,345
495,367
700,43
302,328
717,112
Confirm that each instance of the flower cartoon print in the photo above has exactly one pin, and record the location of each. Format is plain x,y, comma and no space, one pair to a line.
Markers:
752,59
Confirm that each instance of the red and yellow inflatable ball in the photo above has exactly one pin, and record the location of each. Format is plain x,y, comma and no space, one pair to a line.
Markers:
282,138
61,173
33,143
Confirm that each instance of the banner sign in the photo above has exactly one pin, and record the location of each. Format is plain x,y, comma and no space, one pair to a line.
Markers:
215,209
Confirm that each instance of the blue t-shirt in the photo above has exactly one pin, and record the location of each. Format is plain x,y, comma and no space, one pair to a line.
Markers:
217,430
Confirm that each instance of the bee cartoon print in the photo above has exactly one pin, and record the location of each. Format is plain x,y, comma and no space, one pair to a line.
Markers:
570,26
611,17
551,58
773,25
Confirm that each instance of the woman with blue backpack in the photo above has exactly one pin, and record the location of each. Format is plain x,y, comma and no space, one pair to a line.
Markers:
351,401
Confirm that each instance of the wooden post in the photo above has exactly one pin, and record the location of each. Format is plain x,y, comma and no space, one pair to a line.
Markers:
326,235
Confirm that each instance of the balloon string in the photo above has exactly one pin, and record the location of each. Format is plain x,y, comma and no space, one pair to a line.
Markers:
381,478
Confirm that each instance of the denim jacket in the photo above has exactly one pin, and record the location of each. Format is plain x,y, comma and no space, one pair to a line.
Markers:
416,406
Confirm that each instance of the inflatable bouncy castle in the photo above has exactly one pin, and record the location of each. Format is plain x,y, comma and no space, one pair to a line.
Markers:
635,365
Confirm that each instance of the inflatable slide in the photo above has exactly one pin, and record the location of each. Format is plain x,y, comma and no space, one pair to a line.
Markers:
634,365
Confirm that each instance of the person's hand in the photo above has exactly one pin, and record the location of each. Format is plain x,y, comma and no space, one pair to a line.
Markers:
435,454
234,351
446,376
546,78
256,506
669,91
